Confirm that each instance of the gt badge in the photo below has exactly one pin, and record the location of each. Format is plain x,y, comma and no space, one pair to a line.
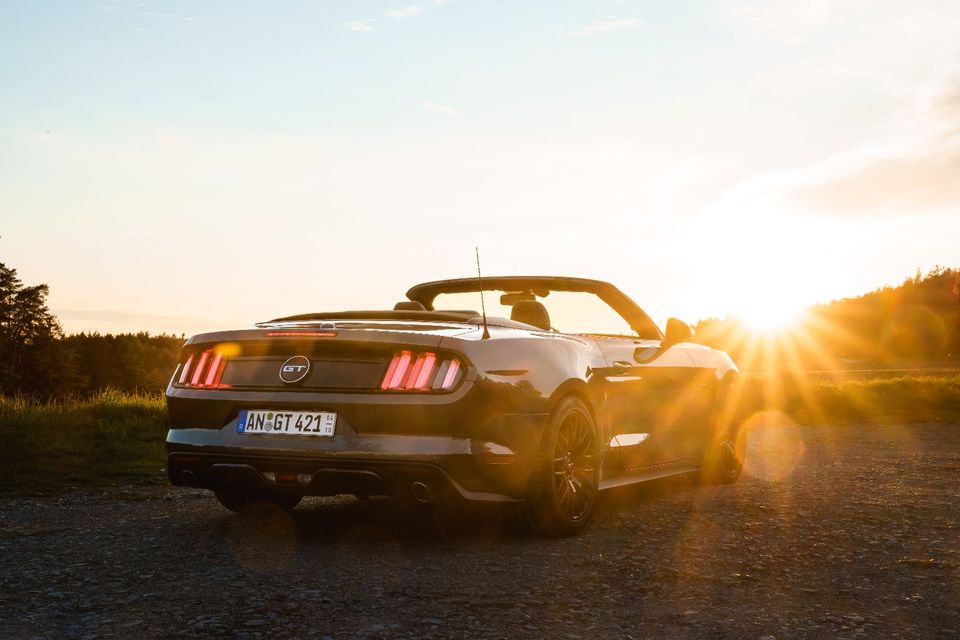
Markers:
295,369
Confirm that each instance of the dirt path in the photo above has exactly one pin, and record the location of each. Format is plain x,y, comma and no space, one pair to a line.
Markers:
832,532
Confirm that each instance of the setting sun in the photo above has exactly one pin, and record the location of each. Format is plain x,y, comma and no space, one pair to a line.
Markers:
771,315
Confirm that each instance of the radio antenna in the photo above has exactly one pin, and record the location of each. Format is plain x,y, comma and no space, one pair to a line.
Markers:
483,305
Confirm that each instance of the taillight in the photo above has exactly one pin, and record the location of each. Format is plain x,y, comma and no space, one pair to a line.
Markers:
185,371
203,371
409,371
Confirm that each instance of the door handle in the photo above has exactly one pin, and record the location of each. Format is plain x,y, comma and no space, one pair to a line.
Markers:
622,363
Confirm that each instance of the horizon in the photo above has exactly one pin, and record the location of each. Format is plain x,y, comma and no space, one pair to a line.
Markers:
171,167
781,329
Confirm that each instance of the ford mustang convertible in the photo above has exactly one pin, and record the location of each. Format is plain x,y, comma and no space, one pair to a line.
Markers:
555,389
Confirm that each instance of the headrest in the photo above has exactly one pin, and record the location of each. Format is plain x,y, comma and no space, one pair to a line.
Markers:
531,312
409,305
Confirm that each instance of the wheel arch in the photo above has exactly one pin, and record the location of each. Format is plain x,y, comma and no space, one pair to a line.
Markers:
580,390
577,388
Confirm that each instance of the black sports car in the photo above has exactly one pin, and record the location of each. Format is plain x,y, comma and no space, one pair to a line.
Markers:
540,410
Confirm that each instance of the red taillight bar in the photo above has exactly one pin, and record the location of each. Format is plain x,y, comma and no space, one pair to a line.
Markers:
195,381
410,382
392,369
213,370
186,370
426,370
396,380
451,377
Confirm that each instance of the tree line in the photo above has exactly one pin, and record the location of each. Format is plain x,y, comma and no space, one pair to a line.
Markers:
37,359
914,323
917,321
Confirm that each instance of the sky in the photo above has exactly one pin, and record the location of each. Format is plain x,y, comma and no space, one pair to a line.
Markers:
183,166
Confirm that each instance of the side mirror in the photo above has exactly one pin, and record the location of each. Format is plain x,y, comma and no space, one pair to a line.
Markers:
677,331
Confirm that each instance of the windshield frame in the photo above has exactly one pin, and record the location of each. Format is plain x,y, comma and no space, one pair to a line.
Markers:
635,317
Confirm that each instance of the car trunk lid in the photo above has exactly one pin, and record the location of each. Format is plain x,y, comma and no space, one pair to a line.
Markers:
346,355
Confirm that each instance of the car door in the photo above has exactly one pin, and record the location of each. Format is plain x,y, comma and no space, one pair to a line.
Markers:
701,396
645,389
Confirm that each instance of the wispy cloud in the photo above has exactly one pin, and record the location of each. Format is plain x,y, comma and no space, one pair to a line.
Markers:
157,19
913,168
433,107
406,12
171,16
403,13
359,25
913,174
784,17
627,24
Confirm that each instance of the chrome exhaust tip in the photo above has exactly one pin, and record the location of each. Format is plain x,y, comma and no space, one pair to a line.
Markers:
422,492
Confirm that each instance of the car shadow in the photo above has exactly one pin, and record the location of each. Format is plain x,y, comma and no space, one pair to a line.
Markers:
340,519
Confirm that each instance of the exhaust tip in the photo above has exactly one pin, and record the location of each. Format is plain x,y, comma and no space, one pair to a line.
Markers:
188,478
422,492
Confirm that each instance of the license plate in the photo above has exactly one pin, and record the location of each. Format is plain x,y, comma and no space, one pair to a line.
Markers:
288,423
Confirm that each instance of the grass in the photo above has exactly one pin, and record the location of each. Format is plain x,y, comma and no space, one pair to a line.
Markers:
878,396
110,438
115,438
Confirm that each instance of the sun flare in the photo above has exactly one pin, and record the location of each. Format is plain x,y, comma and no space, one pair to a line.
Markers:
772,316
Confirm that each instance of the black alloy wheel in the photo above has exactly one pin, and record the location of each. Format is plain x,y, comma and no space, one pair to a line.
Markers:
574,463
565,480
723,459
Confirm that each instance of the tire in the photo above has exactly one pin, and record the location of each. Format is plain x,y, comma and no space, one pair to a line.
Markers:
237,499
563,485
723,458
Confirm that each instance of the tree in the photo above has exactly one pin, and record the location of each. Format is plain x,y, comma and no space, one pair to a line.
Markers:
28,335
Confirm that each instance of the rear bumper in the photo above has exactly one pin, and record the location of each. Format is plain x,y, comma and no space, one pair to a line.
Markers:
490,458
331,476
462,444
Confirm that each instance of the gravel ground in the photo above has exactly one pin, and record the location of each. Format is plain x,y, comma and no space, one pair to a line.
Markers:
839,532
